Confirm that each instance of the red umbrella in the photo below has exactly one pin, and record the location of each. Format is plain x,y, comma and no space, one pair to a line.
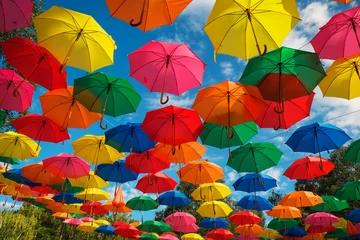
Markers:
172,125
244,217
127,231
15,14
93,208
40,128
145,162
219,234
320,229
44,190
34,62
308,168
9,80
119,223
295,110
156,183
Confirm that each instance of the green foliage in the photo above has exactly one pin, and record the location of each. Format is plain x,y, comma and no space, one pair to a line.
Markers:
275,197
187,189
328,185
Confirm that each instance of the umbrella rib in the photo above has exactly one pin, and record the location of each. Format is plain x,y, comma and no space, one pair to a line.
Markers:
89,37
343,71
152,61
179,63
270,37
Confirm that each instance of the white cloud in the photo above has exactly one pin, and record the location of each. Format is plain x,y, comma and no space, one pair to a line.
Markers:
185,100
227,68
199,8
232,176
274,172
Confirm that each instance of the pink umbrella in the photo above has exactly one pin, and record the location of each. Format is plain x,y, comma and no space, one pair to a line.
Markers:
87,219
167,236
15,14
66,165
166,67
357,226
248,237
321,219
73,221
9,80
339,37
185,228
180,219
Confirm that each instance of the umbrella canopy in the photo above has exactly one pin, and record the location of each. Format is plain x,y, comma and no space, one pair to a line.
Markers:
191,236
270,233
167,236
67,198
88,227
284,212
200,172
73,221
16,176
89,181
293,232
148,236
249,229
321,219
258,22
319,229
74,38
330,204
147,15
213,223
219,234
211,191
93,208
350,191
255,203
127,230
182,222
154,226
146,162
155,183
337,233
15,14
142,203
352,151
173,199
214,209
244,217
66,185
116,172
354,215
279,223
163,67
37,173
62,215
346,37
106,94
105,229
254,182
301,199
93,194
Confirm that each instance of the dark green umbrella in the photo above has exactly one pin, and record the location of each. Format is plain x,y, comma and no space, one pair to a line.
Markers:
353,152
142,203
9,160
154,226
350,191
279,223
330,204
148,236
337,233
106,94
2,118
216,135
66,187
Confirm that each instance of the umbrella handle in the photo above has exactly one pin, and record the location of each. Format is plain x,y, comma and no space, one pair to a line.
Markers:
32,153
101,123
201,195
150,181
282,108
173,150
279,121
13,205
230,136
141,17
4,202
261,183
16,90
162,98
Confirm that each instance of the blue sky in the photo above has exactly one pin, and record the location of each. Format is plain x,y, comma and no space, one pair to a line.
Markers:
188,29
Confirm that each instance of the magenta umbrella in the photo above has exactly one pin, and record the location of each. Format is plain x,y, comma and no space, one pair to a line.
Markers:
250,237
357,226
340,36
66,165
321,219
167,236
180,220
87,219
15,14
73,221
9,80
166,67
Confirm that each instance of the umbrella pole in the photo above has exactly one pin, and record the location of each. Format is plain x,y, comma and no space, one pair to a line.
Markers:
228,127
257,170
173,149
103,111
353,24
12,151
70,51
141,17
318,146
253,30
62,231
6,92
65,124
281,99
40,133
163,87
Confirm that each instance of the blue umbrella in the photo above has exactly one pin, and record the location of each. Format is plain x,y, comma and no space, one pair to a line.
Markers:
293,232
116,172
354,216
255,203
106,229
213,223
173,199
15,175
254,182
67,198
129,138
317,137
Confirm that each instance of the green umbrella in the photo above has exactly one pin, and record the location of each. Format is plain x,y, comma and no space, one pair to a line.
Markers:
148,236
66,187
142,203
337,233
353,152
9,160
106,94
2,118
279,223
330,204
154,226
31,200
216,135
255,157
350,191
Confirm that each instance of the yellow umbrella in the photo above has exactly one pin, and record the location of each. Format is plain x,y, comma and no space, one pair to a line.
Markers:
343,78
214,209
270,233
191,236
342,223
241,27
90,181
88,227
102,222
8,181
211,191
301,199
94,150
16,145
73,208
75,39
93,194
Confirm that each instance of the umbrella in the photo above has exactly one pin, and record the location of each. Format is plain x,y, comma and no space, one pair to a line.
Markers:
105,229
116,172
254,182
213,223
219,234
146,162
199,172
163,67
74,208
182,222
330,204
10,160
67,198
89,181
241,28
270,234
37,173
301,199
350,191
354,215
167,236
142,203
341,30
284,212
148,236
62,215
155,183
320,229
249,229
293,232
337,233
93,194
352,151
15,14
154,226
87,227
294,110
74,38
106,94
9,80
321,219
173,199
129,138
93,208
214,209
87,219
94,150
308,168
66,185
255,203
279,223
172,125
127,230
191,236
73,221
40,128
143,16
16,176
211,191
244,217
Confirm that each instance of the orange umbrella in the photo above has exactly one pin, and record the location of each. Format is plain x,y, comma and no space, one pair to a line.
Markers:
184,153
45,200
200,172
249,229
55,207
350,229
280,211
37,173
146,14
62,215
117,205
301,199
60,106
343,1
314,236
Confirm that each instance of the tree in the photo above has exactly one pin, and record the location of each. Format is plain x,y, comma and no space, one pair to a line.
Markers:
275,197
29,33
187,189
328,185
